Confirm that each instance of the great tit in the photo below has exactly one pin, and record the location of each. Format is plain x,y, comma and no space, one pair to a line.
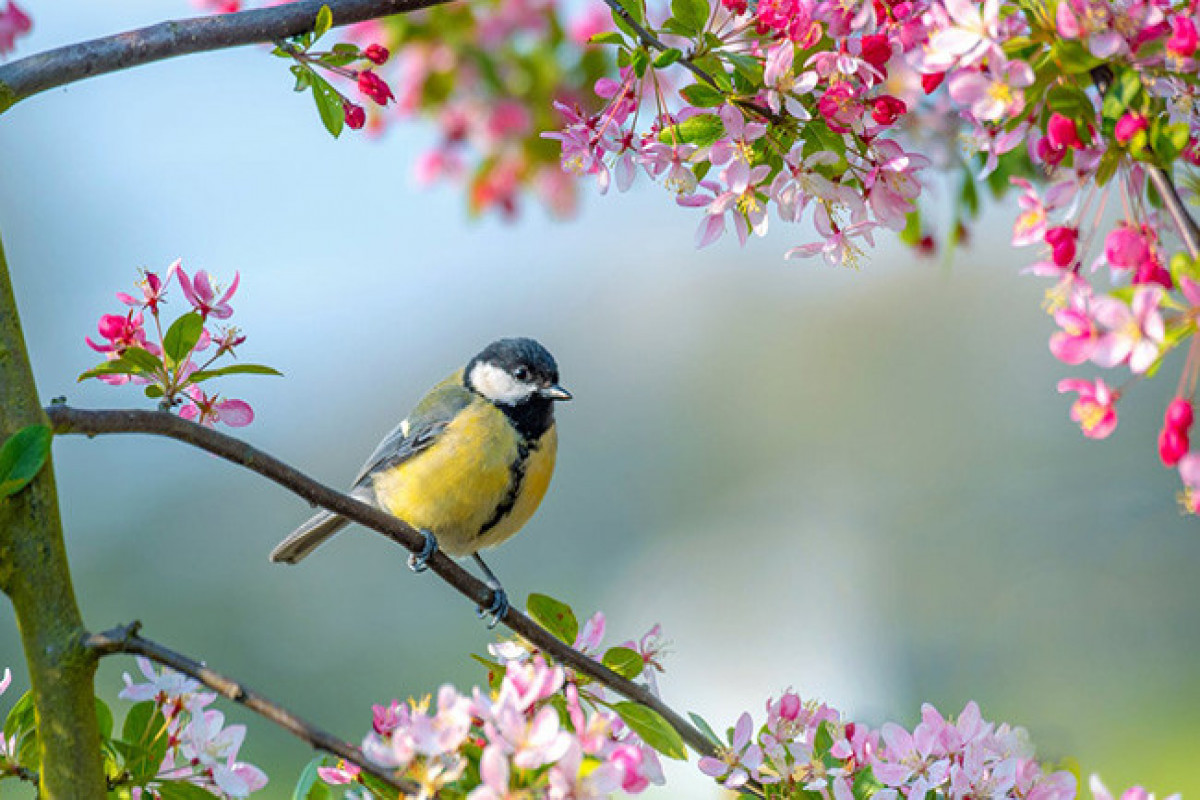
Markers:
469,465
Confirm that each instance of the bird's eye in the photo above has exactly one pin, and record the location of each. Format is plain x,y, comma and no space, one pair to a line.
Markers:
521,373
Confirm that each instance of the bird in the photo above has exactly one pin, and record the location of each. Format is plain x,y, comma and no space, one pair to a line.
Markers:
467,467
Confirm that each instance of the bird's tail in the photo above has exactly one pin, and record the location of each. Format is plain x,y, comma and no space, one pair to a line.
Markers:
308,537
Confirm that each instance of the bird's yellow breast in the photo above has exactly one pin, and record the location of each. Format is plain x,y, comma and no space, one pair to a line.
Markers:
461,488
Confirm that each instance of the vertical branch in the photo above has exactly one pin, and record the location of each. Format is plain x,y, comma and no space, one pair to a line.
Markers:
35,576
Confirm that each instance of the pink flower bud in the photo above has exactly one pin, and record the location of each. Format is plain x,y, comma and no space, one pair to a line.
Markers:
876,50
1062,242
356,117
374,87
931,82
789,706
1179,414
376,54
1183,36
1128,126
887,109
1172,446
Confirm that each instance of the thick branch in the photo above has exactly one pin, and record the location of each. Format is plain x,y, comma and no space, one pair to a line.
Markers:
125,639
94,422
37,73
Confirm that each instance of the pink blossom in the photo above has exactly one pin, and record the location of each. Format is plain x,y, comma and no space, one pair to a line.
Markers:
969,39
659,158
13,23
1076,342
208,410
201,292
740,199
995,94
1189,473
340,775
783,85
738,761
838,247
1134,333
1094,409
892,187
1128,126
1061,137
737,143
840,107
1127,247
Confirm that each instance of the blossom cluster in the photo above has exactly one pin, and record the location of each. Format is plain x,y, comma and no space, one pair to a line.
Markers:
536,730
806,747
170,363
169,738
198,747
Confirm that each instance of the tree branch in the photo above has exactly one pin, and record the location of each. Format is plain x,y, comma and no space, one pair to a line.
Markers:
37,73
125,639
92,422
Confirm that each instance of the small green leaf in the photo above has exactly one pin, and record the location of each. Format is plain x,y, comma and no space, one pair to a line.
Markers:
303,77
22,457
309,785
641,60
700,130
181,790
1168,141
1107,166
692,15
702,95
608,37
233,369
145,735
104,718
865,784
153,391
116,366
823,741
21,719
329,106
182,336
324,23
652,728
1070,101
705,728
553,615
624,661
667,57
142,361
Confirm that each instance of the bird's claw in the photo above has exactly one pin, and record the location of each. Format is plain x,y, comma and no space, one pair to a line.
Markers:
419,562
497,609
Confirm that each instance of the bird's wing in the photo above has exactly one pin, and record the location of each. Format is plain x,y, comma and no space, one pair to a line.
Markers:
421,428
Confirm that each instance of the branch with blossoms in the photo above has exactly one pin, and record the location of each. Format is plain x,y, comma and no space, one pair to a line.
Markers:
66,420
173,695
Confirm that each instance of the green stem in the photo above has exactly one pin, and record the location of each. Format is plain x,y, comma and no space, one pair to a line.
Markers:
35,576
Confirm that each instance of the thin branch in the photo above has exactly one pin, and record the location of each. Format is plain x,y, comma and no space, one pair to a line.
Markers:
125,639
93,422
37,73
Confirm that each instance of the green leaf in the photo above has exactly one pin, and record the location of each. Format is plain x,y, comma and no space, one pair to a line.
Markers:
608,37
624,661
553,615
641,60
632,8
702,95
705,728
1124,94
233,369
153,391
701,130
142,361
865,784
1107,166
823,741
324,23
1074,57
667,57
329,106
309,785
104,718
692,15
116,366
1070,101
144,734
818,136
653,729
182,336
22,457
180,790
1168,141
21,719
303,77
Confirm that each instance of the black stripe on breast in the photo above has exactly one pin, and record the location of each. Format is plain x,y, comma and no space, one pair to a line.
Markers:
516,477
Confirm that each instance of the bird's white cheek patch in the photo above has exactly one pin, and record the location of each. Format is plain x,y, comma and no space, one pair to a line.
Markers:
497,385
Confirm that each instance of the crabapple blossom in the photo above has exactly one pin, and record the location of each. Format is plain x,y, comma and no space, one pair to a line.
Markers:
1095,408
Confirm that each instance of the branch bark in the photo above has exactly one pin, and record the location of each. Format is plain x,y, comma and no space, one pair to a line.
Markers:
37,73
125,639
93,422
35,575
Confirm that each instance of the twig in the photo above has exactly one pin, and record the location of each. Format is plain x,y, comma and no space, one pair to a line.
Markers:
37,73
125,639
93,422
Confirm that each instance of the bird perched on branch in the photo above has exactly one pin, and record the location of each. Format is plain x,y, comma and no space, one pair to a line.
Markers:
469,465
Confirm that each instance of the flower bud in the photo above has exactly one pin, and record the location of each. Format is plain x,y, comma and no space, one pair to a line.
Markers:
887,109
1128,126
1172,445
374,87
931,82
356,117
1179,414
376,54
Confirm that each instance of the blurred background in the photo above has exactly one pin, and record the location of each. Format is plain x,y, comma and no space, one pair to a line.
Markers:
860,484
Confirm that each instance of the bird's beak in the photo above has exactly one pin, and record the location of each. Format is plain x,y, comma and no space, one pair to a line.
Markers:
554,392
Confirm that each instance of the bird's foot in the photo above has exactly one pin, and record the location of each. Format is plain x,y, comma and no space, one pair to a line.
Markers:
497,609
419,562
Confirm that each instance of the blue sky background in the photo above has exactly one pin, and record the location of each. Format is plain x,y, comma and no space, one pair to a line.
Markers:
860,484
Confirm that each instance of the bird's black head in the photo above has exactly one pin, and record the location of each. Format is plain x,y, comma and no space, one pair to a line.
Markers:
521,377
